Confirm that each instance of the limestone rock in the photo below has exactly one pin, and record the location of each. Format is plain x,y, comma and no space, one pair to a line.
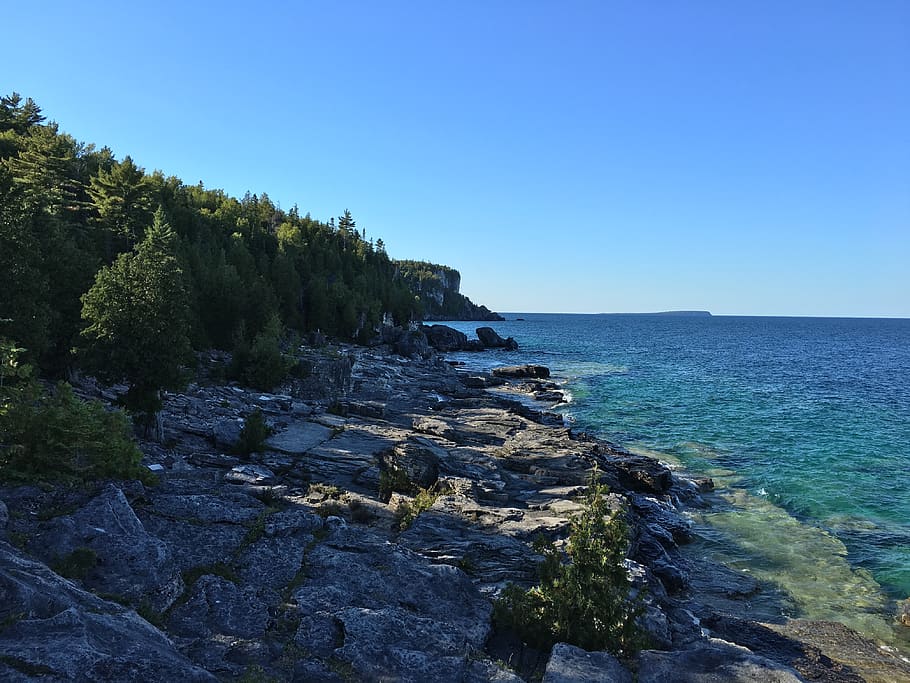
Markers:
401,616
522,371
445,338
58,632
713,661
417,458
491,340
250,474
130,562
570,664
299,437
217,606
226,433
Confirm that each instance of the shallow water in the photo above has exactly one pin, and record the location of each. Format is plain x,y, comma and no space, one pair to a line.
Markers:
803,422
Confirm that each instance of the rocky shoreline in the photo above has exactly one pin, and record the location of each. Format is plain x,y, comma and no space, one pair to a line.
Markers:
310,561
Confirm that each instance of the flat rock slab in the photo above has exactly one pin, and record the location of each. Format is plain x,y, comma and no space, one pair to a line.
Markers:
570,664
709,663
228,508
299,437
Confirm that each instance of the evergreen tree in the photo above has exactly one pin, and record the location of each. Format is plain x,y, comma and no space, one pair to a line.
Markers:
122,196
137,320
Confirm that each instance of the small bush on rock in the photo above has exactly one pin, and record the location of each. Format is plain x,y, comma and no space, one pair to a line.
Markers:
254,433
584,601
54,435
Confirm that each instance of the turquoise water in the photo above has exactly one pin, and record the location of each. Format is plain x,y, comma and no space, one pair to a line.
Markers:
803,422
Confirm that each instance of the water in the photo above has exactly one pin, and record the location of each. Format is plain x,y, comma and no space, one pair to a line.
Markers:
803,422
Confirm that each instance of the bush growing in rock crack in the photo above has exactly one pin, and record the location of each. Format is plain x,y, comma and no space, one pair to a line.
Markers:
253,435
586,600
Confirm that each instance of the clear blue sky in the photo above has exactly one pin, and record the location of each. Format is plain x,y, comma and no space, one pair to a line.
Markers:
741,157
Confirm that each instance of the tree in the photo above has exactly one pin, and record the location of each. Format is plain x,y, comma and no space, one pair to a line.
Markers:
122,196
137,321
585,601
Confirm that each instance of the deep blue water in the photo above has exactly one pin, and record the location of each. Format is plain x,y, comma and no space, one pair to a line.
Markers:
803,422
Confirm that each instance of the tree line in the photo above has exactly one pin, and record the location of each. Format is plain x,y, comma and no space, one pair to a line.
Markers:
70,210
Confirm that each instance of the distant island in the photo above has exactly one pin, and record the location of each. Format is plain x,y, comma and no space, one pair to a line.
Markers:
685,314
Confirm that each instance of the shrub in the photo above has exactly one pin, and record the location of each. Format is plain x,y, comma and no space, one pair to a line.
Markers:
408,512
55,435
584,601
254,433
261,364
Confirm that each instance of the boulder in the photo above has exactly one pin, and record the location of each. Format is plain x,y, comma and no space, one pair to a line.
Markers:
226,434
570,664
413,344
491,339
417,458
128,561
58,632
522,371
445,338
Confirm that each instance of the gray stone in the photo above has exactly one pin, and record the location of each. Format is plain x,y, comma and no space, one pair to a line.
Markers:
445,338
226,433
417,458
716,660
273,562
402,617
570,664
218,607
522,371
491,340
196,545
230,508
203,459
4,519
54,629
250,474
299,437
131,563
291,522
485,671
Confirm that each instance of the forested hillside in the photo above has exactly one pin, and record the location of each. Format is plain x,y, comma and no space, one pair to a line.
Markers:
76,238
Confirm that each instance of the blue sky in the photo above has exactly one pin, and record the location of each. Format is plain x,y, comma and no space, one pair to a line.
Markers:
741,157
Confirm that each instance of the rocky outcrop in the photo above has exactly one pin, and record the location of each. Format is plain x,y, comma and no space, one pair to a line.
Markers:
294,564
53,631
570,664
522,371
112,550
491,340
444,338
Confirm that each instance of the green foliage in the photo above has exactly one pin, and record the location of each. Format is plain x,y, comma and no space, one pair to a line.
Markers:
83,263
254,433
56,436
408,512
392,479
261,365
584,601
137,320
77,564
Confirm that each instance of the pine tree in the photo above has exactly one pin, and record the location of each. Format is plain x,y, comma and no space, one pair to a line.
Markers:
137,321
